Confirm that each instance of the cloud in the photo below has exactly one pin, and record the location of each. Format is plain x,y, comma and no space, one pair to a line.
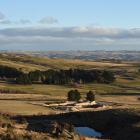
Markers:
5,21
74,32
48,20
24,21
2,16
69,37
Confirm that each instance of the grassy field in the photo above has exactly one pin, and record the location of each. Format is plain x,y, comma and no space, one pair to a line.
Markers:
26,102
29,63
22,108
125,90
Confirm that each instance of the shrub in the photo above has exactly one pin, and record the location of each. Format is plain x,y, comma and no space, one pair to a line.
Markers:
90,96
74,95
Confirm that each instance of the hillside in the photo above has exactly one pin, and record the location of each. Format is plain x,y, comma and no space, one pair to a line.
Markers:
28,102
28,62
91,55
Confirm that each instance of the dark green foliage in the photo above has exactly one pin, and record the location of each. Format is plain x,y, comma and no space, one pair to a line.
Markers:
108,76
23,79
62,77
9,72
77,76
35,76
74,95
56,77
90,96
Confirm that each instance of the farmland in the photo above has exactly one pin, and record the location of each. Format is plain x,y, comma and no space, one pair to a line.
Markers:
28,100
126,84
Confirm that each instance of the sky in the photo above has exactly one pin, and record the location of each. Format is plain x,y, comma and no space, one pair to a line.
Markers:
69,25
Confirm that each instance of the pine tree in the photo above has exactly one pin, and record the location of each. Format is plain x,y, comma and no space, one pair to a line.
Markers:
90,96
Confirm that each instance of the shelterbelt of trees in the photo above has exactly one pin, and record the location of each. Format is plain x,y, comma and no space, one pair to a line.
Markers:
9,72
58,77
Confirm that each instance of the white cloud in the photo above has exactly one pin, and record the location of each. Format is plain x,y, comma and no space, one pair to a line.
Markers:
48,20
2,16
69,37
24,21
74,32
5,21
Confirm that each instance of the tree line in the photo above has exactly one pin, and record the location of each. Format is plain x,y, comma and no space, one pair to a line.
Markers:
62,77
9,72
58,77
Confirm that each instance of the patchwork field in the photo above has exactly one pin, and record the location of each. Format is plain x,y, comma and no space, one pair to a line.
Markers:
29,63
125,90
28,102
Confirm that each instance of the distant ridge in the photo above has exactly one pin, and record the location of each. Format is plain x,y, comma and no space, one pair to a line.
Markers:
88,55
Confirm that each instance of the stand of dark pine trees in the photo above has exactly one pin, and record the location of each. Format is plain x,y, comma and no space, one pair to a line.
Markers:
61,77
58,77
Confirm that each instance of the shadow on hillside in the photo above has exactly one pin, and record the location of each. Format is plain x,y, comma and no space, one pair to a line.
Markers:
116,123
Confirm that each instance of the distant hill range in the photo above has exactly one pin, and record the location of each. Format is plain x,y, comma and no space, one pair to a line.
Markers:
84,55
92,55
